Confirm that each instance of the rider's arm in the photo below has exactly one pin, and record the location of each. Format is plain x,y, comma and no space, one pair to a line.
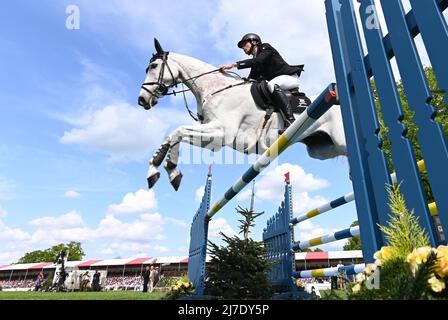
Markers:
254,74
260,59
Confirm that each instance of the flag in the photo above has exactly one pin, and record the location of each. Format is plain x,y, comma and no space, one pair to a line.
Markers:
287,177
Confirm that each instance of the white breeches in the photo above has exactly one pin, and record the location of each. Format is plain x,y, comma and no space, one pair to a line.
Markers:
285,82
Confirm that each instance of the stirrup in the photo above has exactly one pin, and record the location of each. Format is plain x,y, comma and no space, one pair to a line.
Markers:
282,130
288,123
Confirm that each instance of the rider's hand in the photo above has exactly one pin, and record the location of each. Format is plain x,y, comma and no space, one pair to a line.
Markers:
227,66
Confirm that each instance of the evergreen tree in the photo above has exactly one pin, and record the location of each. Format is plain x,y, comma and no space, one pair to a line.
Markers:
238,270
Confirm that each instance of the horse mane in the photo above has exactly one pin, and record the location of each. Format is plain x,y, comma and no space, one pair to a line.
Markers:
204,66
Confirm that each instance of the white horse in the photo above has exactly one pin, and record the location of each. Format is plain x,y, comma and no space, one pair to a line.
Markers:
228,113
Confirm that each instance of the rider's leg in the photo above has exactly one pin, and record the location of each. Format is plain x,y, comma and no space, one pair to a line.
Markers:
285,82
276,85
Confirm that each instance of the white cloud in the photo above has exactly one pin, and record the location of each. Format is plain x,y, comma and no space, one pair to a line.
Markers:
12,234
3,212
58,235
122,131
182,250
334,246
270,186
104,122
307,230
69,220
7,188
70,227
67,227
72,194
132,249
147,227
146,20
138,202
303,202
220,225
118,237
177,222
296,28
8,257
199,194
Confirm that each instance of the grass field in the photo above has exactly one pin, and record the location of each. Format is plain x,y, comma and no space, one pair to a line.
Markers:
111,295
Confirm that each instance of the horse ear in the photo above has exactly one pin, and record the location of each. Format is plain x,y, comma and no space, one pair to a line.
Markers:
158,46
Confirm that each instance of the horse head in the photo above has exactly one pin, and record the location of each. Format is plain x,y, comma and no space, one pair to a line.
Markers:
160,76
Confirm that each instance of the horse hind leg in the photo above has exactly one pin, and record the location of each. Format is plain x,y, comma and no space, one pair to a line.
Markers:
155,162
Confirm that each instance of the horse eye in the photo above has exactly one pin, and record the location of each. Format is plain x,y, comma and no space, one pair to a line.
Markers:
151,66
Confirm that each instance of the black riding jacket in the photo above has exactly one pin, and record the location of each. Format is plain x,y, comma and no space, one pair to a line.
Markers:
268,64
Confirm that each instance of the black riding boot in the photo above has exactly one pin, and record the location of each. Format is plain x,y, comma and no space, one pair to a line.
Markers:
281,101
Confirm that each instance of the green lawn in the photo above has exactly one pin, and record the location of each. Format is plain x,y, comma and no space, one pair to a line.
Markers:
333,294
112,295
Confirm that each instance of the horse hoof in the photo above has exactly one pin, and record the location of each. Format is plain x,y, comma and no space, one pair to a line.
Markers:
153,179
176,181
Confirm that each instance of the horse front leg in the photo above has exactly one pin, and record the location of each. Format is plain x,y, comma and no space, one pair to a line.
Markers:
155,162
208,136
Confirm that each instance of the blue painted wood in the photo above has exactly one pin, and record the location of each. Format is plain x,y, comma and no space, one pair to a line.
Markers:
376,165
430,135
372,239
413,30
402,151
278,238
198,241
434,33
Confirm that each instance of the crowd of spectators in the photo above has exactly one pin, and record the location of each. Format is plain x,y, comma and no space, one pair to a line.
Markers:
123,283
18,284
113,282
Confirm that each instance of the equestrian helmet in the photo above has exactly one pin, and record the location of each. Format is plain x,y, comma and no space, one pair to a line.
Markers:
249,37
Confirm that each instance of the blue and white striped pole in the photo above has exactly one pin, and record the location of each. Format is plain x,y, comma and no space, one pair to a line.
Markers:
324,208
349,197
330,272
343,234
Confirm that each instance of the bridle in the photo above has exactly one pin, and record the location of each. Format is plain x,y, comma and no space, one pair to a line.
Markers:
162,89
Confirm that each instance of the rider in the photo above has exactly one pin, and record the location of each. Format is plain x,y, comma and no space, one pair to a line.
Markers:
267,64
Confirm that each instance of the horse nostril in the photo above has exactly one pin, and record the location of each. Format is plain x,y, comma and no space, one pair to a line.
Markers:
142,101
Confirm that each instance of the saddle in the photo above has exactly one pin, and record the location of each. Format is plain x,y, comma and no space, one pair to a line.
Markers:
262,97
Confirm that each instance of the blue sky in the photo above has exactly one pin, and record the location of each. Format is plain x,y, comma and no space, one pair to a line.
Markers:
75,145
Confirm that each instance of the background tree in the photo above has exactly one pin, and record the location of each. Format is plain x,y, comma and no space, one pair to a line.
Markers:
310,250
48,255
353,243
238,270
441,117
